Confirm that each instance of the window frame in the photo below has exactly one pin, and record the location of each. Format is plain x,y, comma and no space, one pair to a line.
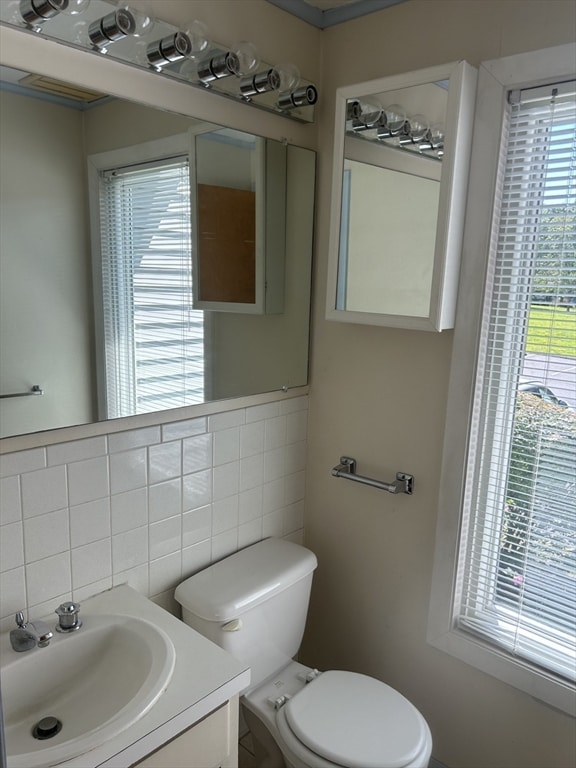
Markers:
154,150
496,79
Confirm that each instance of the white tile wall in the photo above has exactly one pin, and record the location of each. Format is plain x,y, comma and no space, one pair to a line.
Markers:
147,507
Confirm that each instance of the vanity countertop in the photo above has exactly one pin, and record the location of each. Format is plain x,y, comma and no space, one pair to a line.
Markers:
204,678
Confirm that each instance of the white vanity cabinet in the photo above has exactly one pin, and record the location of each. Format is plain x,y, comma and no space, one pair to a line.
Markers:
211,743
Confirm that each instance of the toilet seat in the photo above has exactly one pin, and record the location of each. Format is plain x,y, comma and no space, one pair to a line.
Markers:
351,720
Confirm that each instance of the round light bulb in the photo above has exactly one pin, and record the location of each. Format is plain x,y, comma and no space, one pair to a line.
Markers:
197,33
289,77
11,11
74,7
437,135
247,56
418,127
395,118
134,21
370,112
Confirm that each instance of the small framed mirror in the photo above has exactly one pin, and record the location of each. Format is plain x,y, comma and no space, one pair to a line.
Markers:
401,156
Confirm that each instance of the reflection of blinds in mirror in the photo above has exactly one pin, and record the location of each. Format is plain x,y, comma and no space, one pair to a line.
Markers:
154,340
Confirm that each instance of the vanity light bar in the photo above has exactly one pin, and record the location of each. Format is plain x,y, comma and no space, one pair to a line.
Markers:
391,126
184,53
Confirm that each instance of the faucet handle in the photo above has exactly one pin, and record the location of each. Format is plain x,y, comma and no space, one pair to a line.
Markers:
19,618
68,618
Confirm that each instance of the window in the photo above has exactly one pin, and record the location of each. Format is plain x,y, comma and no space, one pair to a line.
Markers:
153,341
511,607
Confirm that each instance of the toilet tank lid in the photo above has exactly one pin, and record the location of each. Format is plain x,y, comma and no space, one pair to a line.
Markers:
230,587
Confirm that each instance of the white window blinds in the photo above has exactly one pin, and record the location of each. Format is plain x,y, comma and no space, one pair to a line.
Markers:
517,575
154,348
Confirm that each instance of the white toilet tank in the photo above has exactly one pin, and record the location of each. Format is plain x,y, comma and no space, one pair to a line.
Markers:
253,604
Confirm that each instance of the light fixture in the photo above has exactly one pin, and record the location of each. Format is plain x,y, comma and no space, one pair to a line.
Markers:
418,128
415,131
392,122
435,140
124,21
35,12
305,96
283,78
390,125
261,82
241,59
123,28
185,43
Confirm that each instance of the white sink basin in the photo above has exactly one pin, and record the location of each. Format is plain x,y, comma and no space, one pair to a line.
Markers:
97,682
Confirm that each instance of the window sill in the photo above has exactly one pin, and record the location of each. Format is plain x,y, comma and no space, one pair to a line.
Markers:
520,674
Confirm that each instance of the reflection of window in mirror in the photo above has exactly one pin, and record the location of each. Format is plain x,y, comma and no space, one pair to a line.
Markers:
152,339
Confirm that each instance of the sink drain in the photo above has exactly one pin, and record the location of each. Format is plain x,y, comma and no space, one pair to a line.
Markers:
46,728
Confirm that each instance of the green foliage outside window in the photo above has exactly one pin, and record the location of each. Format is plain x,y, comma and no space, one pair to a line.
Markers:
542,470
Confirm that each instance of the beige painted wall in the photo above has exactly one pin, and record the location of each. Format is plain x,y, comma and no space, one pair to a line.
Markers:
380,396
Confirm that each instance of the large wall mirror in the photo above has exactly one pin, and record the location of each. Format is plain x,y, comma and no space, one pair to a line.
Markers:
98,234
401,156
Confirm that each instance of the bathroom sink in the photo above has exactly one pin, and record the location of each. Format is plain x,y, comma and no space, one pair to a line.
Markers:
95,682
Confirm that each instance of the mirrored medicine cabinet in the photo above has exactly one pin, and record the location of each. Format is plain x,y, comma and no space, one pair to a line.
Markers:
51,322
400,175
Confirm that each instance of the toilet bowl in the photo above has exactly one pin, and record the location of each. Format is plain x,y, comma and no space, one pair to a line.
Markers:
254,604
337,719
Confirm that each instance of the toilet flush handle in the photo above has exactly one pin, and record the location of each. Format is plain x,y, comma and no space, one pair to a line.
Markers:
232,626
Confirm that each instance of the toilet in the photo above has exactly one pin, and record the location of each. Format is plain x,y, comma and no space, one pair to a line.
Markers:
254,605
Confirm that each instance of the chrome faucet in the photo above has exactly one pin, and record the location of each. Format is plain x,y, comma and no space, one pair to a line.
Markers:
29,634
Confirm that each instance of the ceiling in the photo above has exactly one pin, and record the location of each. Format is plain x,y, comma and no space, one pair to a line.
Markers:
327,13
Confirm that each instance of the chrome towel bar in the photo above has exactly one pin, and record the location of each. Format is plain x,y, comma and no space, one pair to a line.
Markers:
36,390
347,469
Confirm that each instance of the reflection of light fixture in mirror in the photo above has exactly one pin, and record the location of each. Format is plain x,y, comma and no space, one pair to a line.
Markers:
352,109
363,114
305,96
125,21
392,121
239,60
415,130
437,140
370,112
35,12
186,43
418,128
367,120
